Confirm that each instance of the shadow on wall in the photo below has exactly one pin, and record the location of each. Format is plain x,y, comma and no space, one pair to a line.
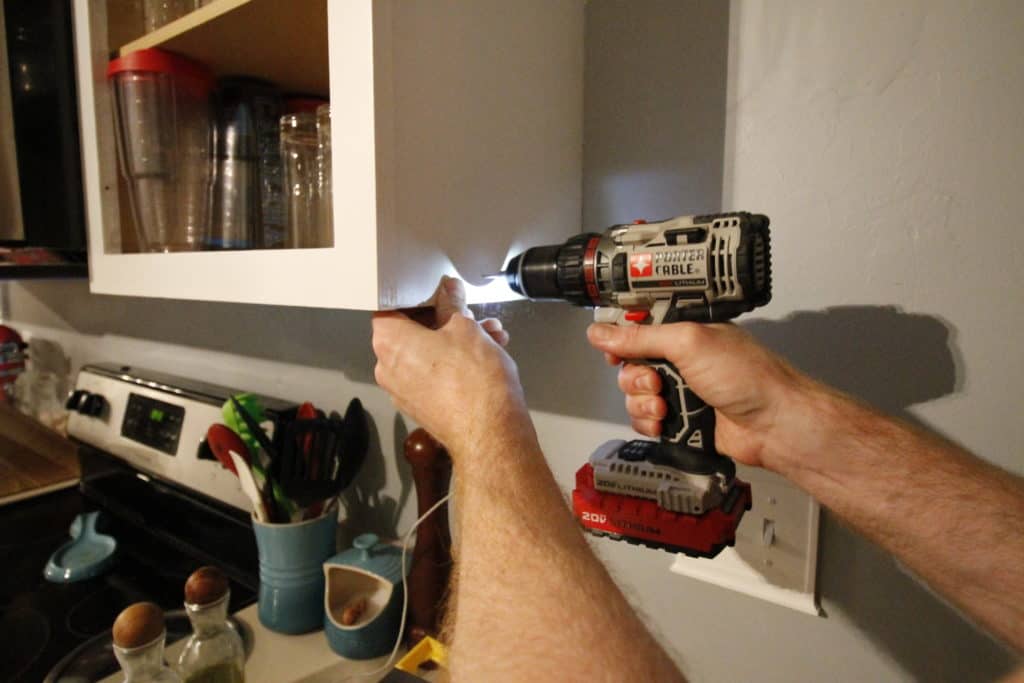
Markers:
368,509
892,360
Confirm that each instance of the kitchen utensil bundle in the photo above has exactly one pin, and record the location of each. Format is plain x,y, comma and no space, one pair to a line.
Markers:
292,478
318,457
298,474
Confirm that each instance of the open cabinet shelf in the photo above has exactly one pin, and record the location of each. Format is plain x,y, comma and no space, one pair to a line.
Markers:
282,42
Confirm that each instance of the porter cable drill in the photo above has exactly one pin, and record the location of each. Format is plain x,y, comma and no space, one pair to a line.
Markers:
678,494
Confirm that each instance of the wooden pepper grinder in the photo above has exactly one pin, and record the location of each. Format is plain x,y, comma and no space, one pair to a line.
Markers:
431,556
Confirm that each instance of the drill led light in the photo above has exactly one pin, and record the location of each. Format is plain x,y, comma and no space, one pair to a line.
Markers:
491,291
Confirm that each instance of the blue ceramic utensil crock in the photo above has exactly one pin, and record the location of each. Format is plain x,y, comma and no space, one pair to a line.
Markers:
370,571
291,556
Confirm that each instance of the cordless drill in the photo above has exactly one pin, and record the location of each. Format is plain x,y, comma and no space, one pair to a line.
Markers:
678,494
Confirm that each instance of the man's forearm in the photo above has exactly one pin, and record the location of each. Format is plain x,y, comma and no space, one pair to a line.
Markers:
530,596
956,521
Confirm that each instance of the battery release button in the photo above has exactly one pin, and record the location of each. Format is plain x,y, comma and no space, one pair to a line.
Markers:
637,316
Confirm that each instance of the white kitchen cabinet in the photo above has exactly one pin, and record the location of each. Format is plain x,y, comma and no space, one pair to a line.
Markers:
456,134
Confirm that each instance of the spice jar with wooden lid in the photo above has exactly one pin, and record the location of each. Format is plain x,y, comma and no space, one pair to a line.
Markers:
139,644
214,652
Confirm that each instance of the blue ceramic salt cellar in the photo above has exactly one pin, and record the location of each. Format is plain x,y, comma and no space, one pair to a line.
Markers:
372,571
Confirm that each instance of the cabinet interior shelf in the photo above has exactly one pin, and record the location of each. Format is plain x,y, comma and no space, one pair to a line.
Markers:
282,42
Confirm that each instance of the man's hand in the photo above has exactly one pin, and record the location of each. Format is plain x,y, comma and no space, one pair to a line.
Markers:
455,381
920,497
746,384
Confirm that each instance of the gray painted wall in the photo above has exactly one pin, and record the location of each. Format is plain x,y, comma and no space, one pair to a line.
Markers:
883,139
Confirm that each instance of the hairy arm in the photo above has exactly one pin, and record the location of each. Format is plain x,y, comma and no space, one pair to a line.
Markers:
955,520
530,592
529,597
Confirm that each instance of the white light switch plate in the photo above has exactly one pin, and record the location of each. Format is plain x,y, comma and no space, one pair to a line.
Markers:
776,552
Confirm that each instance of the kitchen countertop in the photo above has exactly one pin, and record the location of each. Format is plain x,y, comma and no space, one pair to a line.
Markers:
277,658
33,458
307,658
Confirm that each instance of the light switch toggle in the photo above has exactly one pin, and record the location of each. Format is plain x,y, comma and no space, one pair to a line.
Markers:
768,532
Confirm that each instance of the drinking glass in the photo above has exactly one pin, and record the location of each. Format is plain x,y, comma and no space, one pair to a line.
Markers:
156,13
323,136
301,178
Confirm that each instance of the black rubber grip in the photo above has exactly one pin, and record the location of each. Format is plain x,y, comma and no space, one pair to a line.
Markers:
689,423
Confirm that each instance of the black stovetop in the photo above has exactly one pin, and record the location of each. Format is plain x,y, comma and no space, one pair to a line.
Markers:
41,621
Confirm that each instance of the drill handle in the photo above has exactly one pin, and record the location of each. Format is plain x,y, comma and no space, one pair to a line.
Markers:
689,422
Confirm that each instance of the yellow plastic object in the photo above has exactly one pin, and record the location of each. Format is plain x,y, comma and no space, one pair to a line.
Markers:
427,650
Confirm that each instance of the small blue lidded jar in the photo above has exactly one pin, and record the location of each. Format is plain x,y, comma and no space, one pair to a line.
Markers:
363,598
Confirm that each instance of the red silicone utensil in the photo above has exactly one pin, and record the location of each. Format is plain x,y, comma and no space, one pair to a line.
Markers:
222,440
307,411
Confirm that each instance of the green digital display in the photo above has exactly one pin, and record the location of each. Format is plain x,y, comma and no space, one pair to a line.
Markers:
156,415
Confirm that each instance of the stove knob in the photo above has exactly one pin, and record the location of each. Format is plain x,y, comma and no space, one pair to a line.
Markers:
93,404
75,399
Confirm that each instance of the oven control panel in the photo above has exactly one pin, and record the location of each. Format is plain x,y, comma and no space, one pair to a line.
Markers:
154,423
157,424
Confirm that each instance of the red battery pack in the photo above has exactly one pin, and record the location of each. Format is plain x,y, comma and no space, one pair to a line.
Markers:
643,522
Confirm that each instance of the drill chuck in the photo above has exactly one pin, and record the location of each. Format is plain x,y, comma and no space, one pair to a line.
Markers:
553,272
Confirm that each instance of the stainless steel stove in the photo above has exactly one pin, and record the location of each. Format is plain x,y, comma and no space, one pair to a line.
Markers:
161,494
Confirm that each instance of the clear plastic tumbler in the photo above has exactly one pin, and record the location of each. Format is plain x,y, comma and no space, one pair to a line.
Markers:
299,151
323,135
156,13
161,105
248,209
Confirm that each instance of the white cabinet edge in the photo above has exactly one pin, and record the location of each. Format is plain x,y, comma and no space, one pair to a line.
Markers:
85,14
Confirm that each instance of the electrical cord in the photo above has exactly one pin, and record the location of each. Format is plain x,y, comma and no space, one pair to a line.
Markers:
405,594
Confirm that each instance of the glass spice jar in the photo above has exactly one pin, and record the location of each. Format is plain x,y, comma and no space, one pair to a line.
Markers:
139,644
214,652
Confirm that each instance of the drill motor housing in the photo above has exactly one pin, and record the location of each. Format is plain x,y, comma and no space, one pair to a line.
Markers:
678,495
708,268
